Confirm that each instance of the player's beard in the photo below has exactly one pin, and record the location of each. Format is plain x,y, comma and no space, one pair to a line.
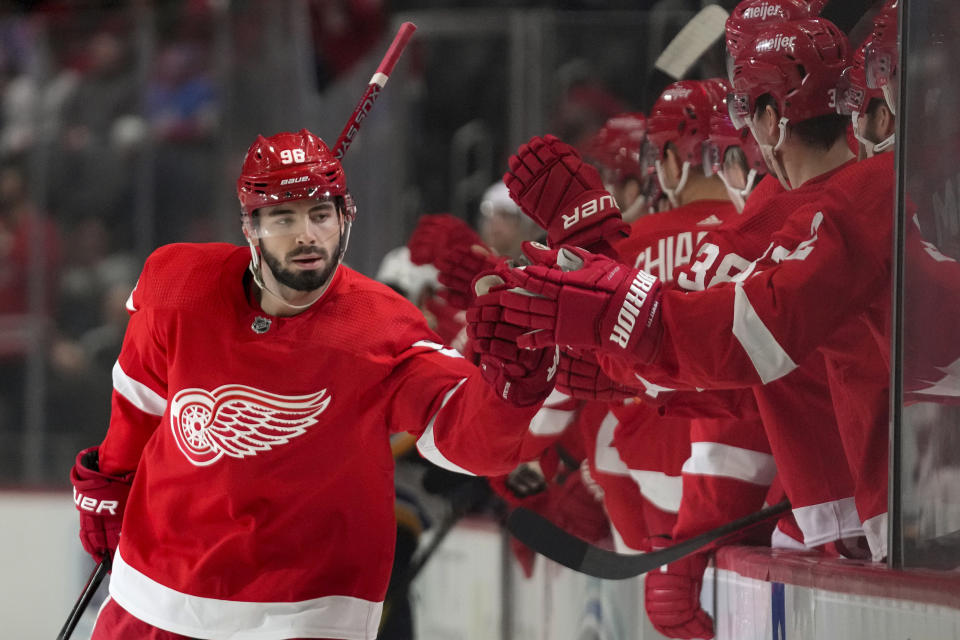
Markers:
301,280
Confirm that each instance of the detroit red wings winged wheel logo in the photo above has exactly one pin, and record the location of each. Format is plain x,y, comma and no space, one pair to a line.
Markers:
238,421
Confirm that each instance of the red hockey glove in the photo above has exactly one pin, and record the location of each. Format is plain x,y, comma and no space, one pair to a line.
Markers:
458,265
579,376
553,185
100,499
672,597
520,376
586,301
576,509
437,232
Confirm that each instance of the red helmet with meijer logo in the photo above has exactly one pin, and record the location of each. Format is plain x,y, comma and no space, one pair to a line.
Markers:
290,166
797,63
751,16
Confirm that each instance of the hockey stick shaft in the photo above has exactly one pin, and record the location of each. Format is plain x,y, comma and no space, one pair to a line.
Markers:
377,82
546,538
93,583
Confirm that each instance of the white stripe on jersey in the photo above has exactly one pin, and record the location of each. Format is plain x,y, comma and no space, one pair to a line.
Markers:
428,446
140,395
715,459
768,357
196,616
453,353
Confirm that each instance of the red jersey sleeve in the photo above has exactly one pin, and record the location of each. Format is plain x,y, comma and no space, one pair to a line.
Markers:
826,264
139,380
461,423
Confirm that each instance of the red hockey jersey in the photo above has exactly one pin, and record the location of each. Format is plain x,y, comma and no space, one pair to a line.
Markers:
262,504
661,243
829,262
797,411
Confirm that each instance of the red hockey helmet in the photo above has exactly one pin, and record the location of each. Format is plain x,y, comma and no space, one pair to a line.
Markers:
723,136
681,115
857,87
751,16
291,166
618,146
881,52
797,63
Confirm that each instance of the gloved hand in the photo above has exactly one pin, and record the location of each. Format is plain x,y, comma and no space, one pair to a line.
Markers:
579,376
437,232
520,376
100,499
458,265
571,297
672,598
576,508
553,185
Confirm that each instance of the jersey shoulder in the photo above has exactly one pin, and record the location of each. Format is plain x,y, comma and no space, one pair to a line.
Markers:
186,274
370,310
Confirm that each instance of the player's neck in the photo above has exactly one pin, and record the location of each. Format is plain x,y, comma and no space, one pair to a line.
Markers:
803,163
700,187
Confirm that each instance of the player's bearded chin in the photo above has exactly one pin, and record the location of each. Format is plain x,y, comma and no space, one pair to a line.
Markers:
301,280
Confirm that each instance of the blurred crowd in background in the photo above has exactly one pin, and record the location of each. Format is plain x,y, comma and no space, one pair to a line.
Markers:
121,128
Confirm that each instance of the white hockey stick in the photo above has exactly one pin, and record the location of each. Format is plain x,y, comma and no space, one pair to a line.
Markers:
694,39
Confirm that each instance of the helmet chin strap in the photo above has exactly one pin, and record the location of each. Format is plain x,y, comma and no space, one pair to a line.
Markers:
770,152
672,194
739,196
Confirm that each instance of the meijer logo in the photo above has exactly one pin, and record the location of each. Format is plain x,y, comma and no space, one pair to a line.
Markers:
587,209
762,12
634,300
777,43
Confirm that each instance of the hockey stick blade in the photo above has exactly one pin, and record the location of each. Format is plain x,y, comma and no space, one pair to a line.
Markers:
693,40
93,583
377,83
564,548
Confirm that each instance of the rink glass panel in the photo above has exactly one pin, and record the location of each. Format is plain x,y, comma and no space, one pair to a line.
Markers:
926,480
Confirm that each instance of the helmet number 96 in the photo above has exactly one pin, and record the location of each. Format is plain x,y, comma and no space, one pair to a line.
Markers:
289,156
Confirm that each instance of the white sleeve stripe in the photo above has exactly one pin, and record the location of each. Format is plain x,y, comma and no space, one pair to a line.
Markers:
660,489
453,353
140,395
606,458
715,459
426,444
768,357
550,422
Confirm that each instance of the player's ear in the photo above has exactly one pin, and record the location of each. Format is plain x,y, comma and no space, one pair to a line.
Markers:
885,122
673,163
766,124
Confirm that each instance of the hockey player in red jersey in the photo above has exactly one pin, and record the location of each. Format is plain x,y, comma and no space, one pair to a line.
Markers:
677,129
757,328
797,412
861,93
248,455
